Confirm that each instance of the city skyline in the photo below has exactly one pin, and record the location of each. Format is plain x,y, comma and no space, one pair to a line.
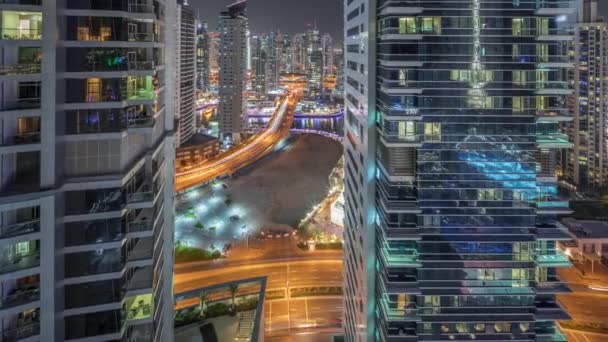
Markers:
300,18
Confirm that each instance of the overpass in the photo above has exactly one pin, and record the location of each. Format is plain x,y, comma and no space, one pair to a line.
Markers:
244,154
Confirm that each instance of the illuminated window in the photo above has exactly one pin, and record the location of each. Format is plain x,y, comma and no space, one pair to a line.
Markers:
431,300
431,25
540,102
519,77
432,131
93,90
518,104
517,26
543,52
516,51
542,25
502,327
462,328
22,248
407,25
407,130
479,327
524,326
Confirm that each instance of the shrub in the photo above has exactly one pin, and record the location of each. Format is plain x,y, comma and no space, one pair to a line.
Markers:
302,245
189,254
218,309
247,304
200,225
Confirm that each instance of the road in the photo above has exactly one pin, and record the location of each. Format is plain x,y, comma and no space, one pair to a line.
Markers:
584,305
245,154
298,273
282,316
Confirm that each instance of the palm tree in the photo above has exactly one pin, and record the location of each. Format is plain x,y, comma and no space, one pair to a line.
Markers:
233,289
203,303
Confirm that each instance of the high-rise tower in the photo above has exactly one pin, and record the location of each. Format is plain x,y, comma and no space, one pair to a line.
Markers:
202,56
585,164
86,201
233,27
452,111
186,69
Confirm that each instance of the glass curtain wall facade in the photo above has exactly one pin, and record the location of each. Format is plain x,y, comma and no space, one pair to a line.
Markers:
453,108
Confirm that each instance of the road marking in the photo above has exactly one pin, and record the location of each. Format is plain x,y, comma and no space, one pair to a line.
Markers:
573,335
586,338
270,319
306,307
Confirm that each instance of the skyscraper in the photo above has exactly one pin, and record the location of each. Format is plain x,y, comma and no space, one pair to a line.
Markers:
327,48
259,62
86,202
585,164
202,56
233,27
214,48
186,69
315,62
450,187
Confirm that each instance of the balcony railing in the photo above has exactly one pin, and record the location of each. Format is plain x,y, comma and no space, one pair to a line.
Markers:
140,197
20,262
20,297
18,229
20,69
21,34
140,65
139,226
22,332
21,2
21,139
141,37
21,103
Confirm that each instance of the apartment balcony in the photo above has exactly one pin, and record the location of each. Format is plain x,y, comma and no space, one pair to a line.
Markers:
553,140
399,206
553,115
138,278
20,296
550,311
21,332
555,336
398,257
397,282
554,8
399,7
552,258
396,231
550,206
131,6
140,249
392,312
141,199
399,112
138,308
21,2
20,69
551,287
24,142
19,104
396,140
12,34
89,263
19,229
20,262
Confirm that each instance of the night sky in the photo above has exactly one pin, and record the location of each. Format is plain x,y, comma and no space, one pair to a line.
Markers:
288,16
294,16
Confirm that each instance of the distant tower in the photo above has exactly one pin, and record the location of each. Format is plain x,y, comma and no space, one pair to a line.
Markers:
186,71
585,164
328,55
233,27
202,56
258,66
